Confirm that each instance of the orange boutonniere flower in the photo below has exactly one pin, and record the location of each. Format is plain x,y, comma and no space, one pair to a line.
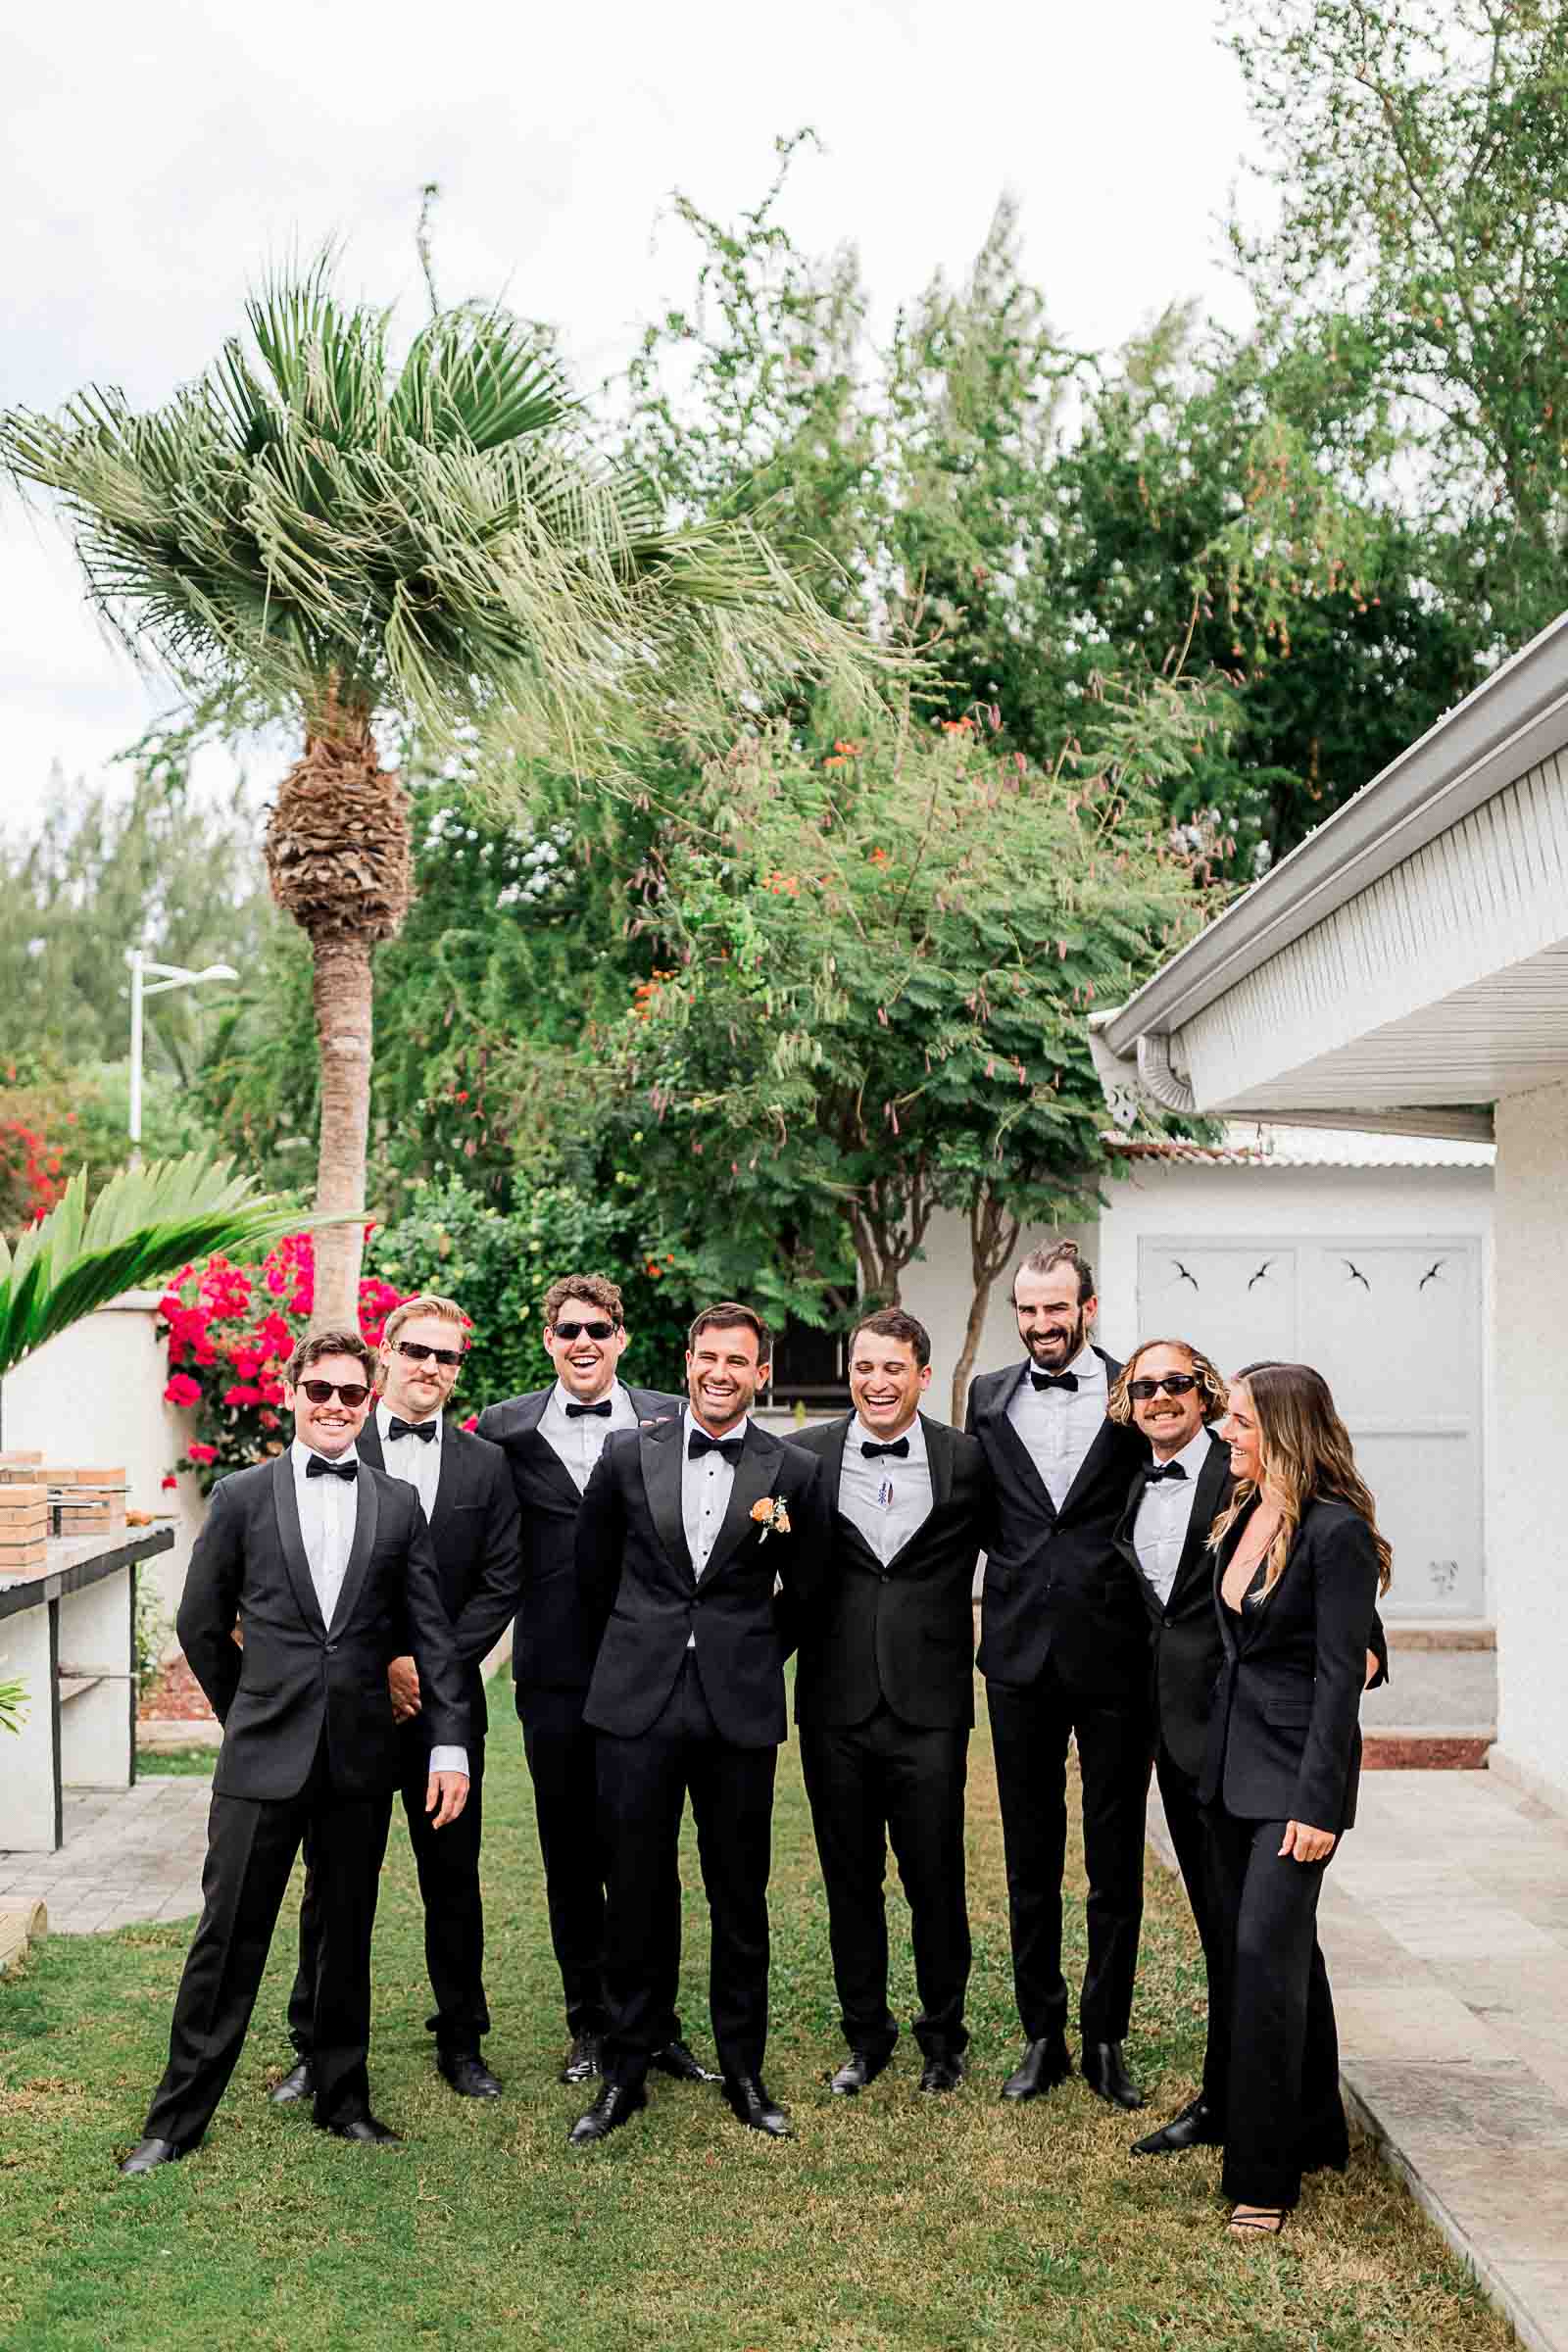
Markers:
770,1514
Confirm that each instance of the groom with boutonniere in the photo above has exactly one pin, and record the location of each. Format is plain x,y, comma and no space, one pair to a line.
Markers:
687,1529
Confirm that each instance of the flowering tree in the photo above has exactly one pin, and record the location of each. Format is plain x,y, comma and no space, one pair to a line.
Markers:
230,1331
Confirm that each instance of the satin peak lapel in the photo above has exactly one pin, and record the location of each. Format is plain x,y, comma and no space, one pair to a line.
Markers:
661,1449
286,1505
367,1516
755,1473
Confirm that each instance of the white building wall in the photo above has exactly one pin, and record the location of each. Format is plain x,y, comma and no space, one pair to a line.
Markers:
95,1395
1526,1516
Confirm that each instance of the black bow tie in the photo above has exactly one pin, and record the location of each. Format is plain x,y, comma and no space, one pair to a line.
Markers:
320,1467
1055,1380
897,1445
1169,1470
409,1429
699,1443
600,1412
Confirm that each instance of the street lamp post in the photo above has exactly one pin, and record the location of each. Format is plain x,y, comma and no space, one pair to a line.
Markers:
155,980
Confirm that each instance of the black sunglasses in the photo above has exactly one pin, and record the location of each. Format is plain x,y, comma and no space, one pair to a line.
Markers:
418,1354
321,1391
1176,1384
574,1331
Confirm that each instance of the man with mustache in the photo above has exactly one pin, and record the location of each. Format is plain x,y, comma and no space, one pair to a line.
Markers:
686,1529
1063,1648
552,1439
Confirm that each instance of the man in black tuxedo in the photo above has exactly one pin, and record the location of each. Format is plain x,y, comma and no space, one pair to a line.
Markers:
326,1568
552,1439
1171,1392
686,1527
1064,1650
884,1697
471,1511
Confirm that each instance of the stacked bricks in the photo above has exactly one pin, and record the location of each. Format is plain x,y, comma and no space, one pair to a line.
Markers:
89,1501
24,1528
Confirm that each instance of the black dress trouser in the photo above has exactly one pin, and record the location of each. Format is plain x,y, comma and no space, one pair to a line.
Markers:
1030,1731
1283,2112
448,1864
870,1783
562,1764
1183,1817
644,1782
251,1845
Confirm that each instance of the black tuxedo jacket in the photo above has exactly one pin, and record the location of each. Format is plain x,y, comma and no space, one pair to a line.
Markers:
1187,1650
473,1527
295,1676
639,1591
1285,1739
552,1641
1055,1586
1185,1636
903,1633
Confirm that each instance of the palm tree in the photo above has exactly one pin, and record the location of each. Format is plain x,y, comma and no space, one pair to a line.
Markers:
304,532
145,1223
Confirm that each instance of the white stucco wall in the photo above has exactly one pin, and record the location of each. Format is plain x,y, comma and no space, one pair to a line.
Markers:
1530,1580
95,1395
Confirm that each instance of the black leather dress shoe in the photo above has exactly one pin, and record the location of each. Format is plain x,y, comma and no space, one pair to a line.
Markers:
364,2131
1197,2127
1100,2065
1046,2063
469,2076
581,2062
676,2059
755,2105
148,2154
942,2072
298,2083
615,2105
859,2068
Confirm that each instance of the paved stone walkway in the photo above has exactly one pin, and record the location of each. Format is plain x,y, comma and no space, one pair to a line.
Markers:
128,1858
1444,1922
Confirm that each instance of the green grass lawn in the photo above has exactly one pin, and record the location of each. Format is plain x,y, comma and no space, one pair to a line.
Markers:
888,2221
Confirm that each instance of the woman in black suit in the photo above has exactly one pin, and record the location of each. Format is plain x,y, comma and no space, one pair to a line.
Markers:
1298,1564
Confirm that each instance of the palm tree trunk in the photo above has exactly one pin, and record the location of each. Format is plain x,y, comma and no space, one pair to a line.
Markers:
339,861
342,992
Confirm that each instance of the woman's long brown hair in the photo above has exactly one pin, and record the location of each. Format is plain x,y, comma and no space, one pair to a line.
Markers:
1308,1457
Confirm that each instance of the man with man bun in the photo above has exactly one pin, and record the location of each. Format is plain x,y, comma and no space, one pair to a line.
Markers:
1064,1650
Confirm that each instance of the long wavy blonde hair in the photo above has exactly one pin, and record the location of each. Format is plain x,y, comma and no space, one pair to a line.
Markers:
1210,1381
1308,1457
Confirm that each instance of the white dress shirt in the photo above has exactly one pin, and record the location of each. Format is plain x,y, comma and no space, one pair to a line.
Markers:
416,1460
329,1512
1058,1426
705,1491
886,1499
578,1440
1165,1515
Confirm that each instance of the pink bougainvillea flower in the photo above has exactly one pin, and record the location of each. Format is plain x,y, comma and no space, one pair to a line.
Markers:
473,1422
200,1451
184,1390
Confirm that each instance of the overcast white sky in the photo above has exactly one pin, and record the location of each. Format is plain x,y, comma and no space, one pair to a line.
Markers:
154,160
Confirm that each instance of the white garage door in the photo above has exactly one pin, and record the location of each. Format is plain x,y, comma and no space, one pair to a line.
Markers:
1395,1328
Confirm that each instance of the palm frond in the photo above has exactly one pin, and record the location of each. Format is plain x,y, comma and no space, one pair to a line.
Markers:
145,1223
303,530
13,1705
